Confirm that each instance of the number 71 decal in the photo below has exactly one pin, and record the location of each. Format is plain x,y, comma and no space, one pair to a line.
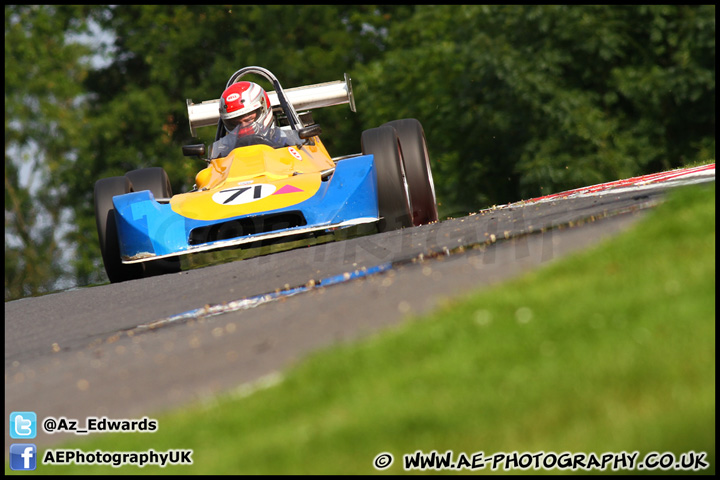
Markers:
250,193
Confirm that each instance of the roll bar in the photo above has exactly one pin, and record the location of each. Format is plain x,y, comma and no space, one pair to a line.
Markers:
308,97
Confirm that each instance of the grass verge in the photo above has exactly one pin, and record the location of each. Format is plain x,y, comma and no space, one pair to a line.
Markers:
609,350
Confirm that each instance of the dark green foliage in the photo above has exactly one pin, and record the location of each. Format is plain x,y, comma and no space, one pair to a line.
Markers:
43,134
519,101
516,101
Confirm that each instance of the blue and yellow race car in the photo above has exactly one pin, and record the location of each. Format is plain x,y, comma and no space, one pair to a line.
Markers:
254,190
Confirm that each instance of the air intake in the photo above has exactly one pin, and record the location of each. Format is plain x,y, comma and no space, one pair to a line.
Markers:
246,226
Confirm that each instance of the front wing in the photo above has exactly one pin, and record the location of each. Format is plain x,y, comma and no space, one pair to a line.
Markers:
149,230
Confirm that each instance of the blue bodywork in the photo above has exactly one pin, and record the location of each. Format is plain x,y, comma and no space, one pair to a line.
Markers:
148,229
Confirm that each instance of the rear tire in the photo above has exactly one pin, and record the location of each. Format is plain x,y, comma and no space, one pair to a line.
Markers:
392,188
417,170
154,179
157,181
105,190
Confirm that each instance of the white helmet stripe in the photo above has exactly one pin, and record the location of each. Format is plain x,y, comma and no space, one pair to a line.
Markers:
246,98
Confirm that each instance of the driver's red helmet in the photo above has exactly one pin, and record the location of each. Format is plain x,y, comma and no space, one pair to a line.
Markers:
248,105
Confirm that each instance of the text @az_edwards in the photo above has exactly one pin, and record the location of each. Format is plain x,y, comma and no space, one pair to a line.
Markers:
94,424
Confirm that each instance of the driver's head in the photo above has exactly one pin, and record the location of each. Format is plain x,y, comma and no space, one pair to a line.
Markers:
247,106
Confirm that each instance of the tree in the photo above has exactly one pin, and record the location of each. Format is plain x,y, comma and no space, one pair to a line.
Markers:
519,101
42,131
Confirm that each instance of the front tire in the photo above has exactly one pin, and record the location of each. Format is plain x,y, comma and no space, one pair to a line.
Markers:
105,190
417,169
392,188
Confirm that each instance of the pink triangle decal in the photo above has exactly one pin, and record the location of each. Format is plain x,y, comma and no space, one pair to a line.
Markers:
287,189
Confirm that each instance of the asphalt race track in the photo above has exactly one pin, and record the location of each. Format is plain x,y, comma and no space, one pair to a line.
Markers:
137,348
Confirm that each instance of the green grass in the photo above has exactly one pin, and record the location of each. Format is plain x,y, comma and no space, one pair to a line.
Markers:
698,163
609,350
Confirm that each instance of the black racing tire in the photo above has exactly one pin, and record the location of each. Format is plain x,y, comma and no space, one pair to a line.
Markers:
392,188
105,190
157,181
154,179
417,170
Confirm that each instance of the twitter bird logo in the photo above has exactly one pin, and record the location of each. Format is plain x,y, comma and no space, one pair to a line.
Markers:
23,425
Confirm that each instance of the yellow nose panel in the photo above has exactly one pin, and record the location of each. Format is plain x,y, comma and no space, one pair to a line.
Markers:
251,180
243,198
